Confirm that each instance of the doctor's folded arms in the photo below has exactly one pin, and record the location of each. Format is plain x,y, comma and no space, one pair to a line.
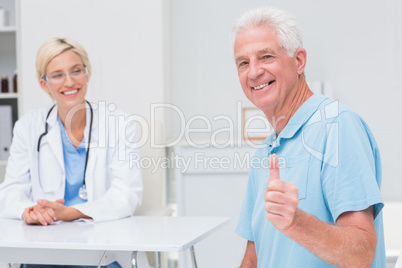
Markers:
313,197
70,160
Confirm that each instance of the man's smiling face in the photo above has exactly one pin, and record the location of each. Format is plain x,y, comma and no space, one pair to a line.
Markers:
266,73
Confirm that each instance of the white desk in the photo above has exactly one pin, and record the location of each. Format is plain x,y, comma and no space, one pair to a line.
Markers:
84,243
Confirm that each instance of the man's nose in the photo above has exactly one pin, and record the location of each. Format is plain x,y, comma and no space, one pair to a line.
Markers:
255,70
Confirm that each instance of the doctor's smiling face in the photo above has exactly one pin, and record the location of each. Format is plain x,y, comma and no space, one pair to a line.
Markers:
267,74
66,80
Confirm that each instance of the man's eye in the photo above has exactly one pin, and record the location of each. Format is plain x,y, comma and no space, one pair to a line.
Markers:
266,56
243,63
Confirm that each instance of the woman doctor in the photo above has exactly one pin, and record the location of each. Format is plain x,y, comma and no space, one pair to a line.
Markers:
70,161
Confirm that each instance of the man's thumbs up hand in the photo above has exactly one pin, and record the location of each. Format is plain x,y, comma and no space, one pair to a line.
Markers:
281,198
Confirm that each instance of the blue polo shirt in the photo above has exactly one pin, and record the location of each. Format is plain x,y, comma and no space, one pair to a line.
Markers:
330,154
74,165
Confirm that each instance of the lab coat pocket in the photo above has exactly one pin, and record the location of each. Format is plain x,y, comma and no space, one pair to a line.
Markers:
295,170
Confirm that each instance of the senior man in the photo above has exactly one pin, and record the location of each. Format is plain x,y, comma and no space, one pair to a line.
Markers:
319,203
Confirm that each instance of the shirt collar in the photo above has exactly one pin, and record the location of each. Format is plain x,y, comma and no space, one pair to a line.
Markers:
300,117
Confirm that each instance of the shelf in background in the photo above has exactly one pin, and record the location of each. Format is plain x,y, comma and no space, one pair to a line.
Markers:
8,29
8,95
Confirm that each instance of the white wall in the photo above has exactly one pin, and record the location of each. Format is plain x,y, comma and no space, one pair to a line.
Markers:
353,45
124,41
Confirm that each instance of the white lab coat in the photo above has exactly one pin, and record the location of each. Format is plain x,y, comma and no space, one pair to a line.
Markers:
114,185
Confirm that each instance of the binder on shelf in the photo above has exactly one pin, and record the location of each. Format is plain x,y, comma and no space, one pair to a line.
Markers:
6,128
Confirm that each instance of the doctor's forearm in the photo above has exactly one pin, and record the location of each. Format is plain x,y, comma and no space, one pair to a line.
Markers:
70,214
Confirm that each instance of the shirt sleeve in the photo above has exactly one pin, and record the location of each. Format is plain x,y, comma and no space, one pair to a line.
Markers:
351,173
243,228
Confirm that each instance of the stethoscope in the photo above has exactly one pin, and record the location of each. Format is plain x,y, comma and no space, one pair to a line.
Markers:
82,192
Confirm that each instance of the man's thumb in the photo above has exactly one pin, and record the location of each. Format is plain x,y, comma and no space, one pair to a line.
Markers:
273,167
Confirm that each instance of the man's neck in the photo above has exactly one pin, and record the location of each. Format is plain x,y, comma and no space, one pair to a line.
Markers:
281,117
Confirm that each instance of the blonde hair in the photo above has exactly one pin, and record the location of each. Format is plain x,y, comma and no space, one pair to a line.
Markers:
54,47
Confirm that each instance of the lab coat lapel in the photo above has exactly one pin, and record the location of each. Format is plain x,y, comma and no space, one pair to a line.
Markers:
89,178
87,126
54,138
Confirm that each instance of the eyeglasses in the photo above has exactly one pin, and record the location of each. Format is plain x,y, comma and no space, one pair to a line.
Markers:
59,77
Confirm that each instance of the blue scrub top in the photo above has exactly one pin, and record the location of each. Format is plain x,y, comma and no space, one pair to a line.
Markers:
74,165
330,154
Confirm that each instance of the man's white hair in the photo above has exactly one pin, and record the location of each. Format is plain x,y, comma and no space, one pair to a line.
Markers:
284,24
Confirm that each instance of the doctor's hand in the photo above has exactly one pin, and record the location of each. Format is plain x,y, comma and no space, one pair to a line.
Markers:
39,214
281,198
62,212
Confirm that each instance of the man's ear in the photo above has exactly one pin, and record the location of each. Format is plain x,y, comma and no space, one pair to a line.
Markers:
301,59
